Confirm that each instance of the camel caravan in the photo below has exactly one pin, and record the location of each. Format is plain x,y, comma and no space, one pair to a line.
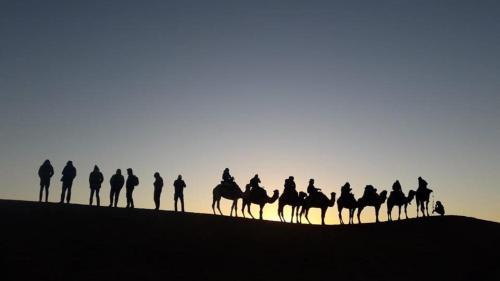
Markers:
301,202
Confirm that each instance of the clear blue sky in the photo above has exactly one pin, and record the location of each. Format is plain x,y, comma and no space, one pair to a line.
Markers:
360,91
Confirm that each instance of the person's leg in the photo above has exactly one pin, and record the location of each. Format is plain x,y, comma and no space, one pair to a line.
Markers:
127,195
111,197
68,196
91,196
155,199
132,198
41,192
175,201
182,201
46,193
97,197
63,192
117,195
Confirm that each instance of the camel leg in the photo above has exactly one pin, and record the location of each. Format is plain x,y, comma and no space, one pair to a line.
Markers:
249,210
213,206
236,207
399,213
218,207
359,215
280,212
233,207
323,213
427,207
293,211
307,215
260,211
351,215
422,208
406,213
389,211
243,204
340,215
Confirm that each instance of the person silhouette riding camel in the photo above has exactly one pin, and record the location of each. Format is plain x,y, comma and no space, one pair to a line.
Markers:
254,182
422,185
370,192
226,177
290,185
397,190
311,189
345,190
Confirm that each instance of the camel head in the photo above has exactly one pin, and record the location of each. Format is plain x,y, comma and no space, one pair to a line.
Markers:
332,199
276,195
302,195
411,195
383,196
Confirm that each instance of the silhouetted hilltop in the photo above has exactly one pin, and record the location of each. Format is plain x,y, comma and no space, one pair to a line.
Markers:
74,242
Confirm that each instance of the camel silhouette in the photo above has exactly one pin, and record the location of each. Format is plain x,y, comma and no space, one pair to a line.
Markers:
399,199
422,198
346,200
231,192
318,200
375,200
293,199
257,196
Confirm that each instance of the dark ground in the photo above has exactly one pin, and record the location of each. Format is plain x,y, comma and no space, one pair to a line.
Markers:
52,242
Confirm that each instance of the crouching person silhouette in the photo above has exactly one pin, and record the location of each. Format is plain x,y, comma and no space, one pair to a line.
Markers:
68,175
439,208
132,182
95,180
116,182
179,186
158,185
45,172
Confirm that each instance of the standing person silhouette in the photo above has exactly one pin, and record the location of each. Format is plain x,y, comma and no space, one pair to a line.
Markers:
95,180
158,185
116,182
179,186
45,172
69,174
132,182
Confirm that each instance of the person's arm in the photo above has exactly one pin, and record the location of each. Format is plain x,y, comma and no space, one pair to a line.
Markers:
51,171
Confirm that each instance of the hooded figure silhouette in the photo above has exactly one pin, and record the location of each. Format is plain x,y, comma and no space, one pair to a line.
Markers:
68,175
95,180
45,172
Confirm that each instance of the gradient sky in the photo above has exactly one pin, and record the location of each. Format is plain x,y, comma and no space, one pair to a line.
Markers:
360,91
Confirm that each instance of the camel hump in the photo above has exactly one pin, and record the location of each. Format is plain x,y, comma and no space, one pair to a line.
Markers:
318,198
